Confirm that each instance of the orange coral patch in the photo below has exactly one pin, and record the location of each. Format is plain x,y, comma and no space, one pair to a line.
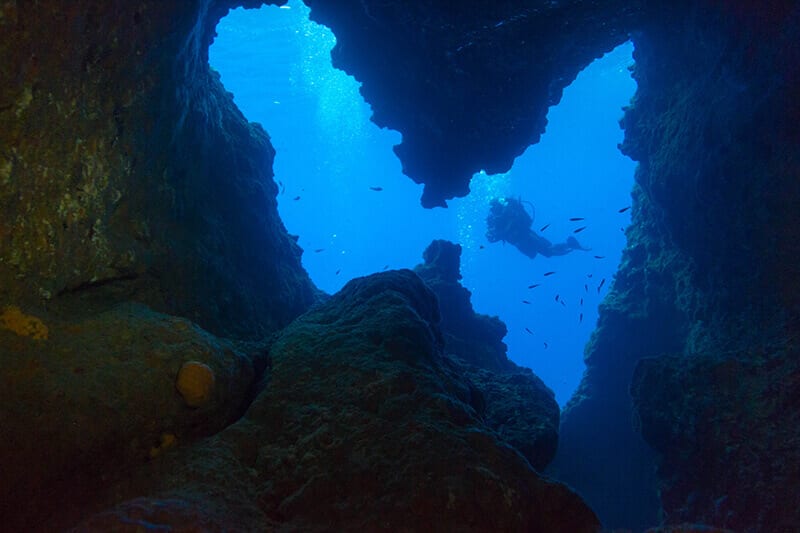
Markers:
195,383
13,319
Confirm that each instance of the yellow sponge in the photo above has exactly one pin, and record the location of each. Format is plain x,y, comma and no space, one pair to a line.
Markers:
13,319
195,383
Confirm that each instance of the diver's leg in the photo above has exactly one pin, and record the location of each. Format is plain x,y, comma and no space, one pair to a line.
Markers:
563,248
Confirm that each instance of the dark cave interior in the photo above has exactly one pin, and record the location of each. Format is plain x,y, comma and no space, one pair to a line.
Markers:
166,360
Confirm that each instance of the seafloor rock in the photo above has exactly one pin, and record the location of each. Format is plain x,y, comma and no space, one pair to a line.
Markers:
97,397
516,403
522,410
688,528
726,429
363,424
467,83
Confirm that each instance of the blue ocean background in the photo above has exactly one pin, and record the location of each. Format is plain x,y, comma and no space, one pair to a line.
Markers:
330,157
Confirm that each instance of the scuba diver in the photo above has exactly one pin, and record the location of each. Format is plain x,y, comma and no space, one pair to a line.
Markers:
508,221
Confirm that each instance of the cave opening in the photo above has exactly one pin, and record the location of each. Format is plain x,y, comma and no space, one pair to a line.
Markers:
341,189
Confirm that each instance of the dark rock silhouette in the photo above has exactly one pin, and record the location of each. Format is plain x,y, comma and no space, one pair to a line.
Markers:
363,424
515,402
475,338
492,69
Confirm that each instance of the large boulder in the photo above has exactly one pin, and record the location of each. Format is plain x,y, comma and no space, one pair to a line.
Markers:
84,401
363,424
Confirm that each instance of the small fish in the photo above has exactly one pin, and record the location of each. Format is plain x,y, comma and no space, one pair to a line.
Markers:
589,275
376,189
579,229
545,227
526,302
622,229
580,318
575,219
529,331
549,273
534,285
545,346
296,198
623,209
563,303
599,257
318,250
586,287
281,187
337,272
481,247
386,267
602,281
581,301
556,297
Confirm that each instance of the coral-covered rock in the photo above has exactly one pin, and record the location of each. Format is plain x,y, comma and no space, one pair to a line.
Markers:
522,410
363,424
97,397
728,433
514,402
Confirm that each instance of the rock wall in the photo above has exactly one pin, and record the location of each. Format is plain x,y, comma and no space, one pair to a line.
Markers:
722,162
128,174
136,202
706,280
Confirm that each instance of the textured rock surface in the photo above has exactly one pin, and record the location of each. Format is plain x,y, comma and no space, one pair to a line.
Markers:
515,403
363,424
729,441
709,270
157,190
97,397
467,83
477,339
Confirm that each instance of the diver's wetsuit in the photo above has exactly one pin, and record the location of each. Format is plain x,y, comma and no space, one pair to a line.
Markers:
531,244
508,221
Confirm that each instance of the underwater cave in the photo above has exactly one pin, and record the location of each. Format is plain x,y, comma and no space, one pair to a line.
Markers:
197,334
330,159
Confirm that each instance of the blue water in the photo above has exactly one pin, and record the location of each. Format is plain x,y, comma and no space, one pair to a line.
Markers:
277,64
